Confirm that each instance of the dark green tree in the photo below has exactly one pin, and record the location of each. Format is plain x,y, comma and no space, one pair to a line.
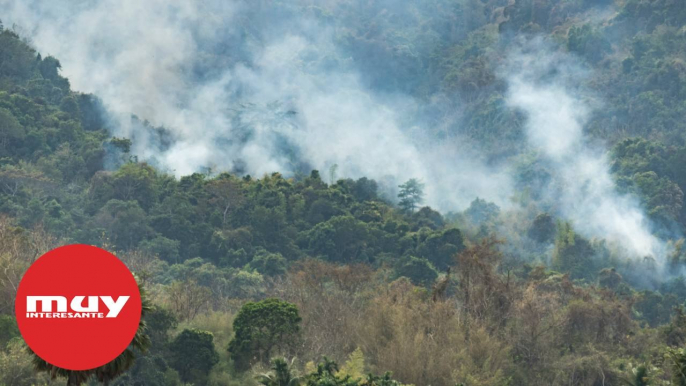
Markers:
420,271
411,195
269,264
481,211
11,132
542,230
440,248
639,377
573,254
281,375
365,189
327,375
8,330
340,239
124,221
193,355
160,321
609,278
264,328
135,181
427,217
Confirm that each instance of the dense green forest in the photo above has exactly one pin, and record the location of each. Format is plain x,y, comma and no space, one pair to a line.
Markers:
312,279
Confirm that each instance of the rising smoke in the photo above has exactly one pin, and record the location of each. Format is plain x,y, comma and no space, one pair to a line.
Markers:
547,86
246,87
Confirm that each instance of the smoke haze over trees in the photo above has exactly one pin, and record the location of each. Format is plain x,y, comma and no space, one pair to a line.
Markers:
477,192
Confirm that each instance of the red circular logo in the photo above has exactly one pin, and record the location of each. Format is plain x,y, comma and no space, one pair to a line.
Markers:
78,307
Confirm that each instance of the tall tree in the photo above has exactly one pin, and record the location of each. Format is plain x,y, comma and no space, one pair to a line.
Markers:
193,355
227,194
261,329
411,195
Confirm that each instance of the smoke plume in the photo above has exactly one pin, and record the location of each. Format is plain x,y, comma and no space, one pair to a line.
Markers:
249,88
253,87
547,86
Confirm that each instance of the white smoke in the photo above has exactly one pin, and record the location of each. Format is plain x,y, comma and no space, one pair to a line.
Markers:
278,95
247,88
546,86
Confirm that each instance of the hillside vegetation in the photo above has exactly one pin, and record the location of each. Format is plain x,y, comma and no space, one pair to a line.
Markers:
314,280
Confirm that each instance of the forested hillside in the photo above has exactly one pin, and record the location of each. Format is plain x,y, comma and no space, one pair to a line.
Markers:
308,276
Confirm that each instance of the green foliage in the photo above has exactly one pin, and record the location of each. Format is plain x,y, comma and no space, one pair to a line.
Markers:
354,367
159,322
328,374
193,355
647,169
262,329
419,270
364,189
341,239
655,308
676,359
16,366
269,264
281,375
124,221
151,370
411,194
573,254
674,333
163,247
11,132
542,229
663,198
481,211
123,144
641,377
610,278
213,241
8,330
440,248
588,42
427,217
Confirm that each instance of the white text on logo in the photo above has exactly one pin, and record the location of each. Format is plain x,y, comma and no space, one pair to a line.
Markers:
79,311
